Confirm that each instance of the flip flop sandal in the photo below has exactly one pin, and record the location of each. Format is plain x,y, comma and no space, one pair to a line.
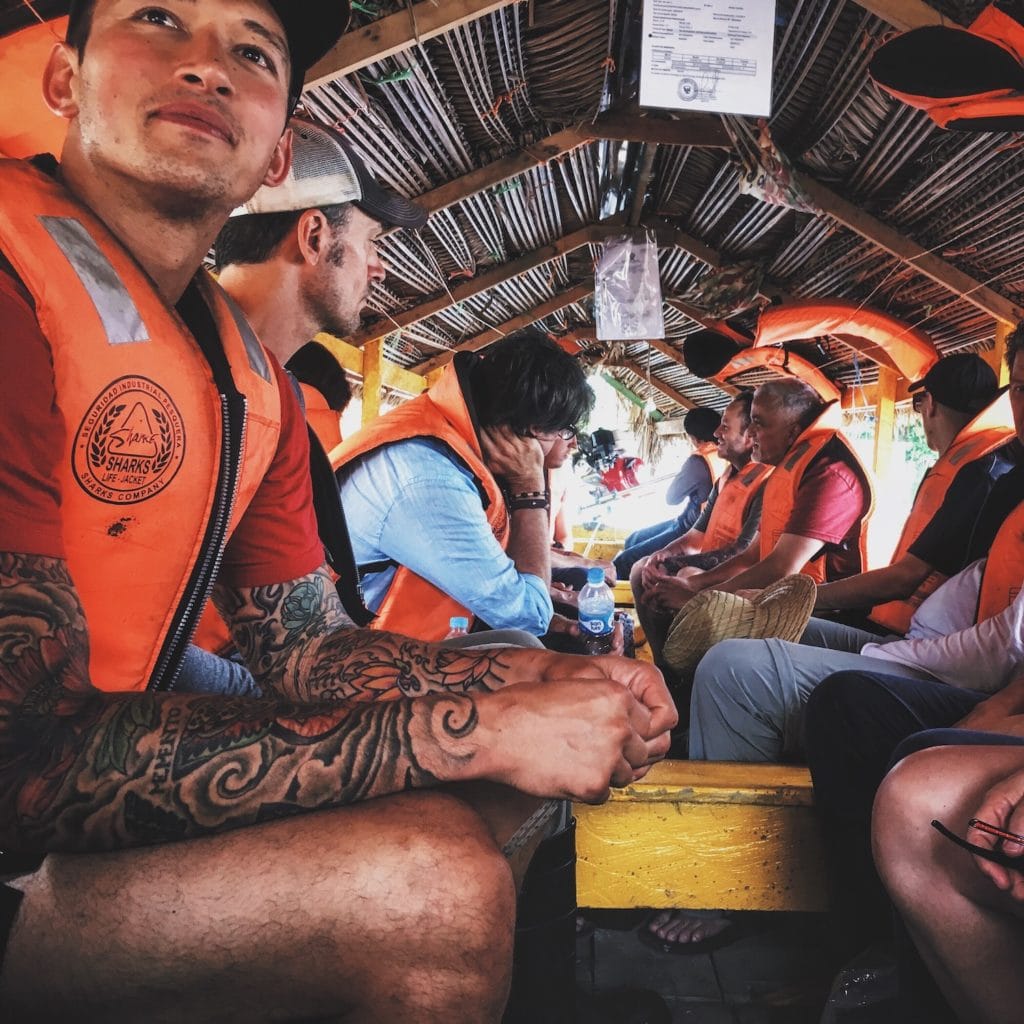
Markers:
727,935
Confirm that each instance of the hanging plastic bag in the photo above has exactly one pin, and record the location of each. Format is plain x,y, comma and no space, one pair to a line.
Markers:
627,290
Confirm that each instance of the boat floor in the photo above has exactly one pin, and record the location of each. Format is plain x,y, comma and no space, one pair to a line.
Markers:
776,972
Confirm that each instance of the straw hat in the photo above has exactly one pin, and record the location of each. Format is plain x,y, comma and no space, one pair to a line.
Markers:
781,611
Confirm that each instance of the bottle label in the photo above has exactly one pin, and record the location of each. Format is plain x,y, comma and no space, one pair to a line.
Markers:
597,627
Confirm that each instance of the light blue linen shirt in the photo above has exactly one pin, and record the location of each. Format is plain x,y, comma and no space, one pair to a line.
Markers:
415,503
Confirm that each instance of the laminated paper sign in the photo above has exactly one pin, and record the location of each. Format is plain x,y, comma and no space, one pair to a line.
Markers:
709,55
627,290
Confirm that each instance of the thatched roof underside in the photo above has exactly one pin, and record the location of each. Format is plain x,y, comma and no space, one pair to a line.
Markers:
436,112
502,84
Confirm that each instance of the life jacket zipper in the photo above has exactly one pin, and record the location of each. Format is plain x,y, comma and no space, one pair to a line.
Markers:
204,573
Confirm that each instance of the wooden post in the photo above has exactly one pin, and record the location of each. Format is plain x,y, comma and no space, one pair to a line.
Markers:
996,356
885,420
373,353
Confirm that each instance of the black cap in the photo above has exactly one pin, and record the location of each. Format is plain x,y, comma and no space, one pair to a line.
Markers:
963,382
701,423
311,26
327,171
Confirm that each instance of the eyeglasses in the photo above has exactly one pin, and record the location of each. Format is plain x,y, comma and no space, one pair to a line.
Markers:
998,856
565,434
918,400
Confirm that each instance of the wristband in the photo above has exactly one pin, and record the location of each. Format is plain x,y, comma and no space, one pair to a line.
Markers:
529,494
520,503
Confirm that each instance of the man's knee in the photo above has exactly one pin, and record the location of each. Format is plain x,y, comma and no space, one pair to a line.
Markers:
722,665
831,704
455,851
903,810
635,582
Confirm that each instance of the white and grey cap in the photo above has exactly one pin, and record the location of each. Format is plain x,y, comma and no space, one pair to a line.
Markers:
326,171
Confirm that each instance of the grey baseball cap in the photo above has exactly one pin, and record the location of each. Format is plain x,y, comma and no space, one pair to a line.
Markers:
325,171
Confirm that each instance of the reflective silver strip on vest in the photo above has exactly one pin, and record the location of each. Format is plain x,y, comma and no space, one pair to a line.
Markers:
257,357
120,316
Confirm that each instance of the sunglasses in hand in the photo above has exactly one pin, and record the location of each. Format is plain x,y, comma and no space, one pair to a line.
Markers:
997,856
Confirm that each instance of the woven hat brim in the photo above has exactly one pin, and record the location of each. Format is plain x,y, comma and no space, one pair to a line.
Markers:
780,611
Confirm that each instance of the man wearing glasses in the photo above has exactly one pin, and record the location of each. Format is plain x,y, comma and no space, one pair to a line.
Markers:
447,498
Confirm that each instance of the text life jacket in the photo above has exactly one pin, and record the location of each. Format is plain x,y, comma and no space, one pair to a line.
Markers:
781,490
154,475
412,605
989,430
965,79
1004,568
736,491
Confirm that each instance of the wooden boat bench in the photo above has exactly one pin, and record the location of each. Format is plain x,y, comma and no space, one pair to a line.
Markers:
704,834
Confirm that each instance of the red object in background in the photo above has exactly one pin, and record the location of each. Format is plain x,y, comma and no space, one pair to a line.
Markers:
621,475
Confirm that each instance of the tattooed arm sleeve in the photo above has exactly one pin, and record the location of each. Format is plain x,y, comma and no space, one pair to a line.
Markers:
86,770
300,646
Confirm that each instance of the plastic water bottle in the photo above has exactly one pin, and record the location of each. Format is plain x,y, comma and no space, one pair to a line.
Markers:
458,625
596,613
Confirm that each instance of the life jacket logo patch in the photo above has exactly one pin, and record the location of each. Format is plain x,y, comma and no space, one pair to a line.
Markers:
130,444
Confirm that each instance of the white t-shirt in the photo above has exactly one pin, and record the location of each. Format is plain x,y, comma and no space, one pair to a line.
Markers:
944,641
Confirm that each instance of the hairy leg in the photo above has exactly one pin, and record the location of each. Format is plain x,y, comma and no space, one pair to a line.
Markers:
969,933
397,909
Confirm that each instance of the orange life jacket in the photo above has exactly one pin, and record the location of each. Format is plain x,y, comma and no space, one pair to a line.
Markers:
715,463
324,420
990,429
782,486
1004,568
882,337
412,605
735,493
786,362
149,491
983,72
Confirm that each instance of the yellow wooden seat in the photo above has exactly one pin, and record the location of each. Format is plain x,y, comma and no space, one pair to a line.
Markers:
704,834
623,593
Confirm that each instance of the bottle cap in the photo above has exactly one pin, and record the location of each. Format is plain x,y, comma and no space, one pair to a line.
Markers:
595,575
458,622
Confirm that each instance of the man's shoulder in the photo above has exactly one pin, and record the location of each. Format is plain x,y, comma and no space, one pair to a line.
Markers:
415,458
836,459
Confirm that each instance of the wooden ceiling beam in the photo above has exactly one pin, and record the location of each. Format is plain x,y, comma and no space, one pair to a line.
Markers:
588,235
910,252
692,130
396,32
684,128
493,334
659,385
905,14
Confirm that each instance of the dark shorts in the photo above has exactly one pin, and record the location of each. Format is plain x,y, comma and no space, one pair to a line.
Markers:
10,900
13,864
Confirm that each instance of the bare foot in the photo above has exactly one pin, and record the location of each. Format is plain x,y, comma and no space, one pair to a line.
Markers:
688,926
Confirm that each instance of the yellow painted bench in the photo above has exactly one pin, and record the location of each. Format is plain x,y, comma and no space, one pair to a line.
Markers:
605,542
704,834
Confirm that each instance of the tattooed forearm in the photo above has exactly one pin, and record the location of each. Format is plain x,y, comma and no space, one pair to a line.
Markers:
705,560
300,647
85,770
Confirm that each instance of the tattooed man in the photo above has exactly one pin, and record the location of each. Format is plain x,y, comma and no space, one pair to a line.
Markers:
160,860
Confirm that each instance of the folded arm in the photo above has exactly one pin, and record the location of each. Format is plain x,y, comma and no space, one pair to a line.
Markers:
81,769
